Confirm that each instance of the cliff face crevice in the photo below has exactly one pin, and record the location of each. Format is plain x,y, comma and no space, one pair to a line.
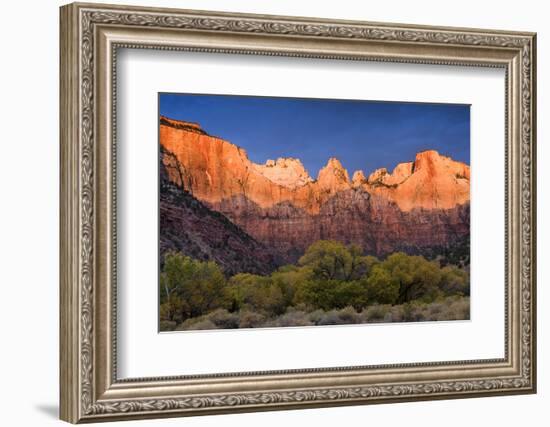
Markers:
420,204
374,223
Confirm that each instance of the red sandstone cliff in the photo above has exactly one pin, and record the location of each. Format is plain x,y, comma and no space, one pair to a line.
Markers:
188,226
420,204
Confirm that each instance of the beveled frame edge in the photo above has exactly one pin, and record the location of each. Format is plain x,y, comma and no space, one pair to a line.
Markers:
88,390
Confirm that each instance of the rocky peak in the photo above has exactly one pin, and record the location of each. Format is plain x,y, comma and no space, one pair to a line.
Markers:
214,170
333,176
334,166
433,164
377,176
358,178
432,181
428,160
288,172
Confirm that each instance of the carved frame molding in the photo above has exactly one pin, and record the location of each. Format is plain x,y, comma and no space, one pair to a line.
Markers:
90,36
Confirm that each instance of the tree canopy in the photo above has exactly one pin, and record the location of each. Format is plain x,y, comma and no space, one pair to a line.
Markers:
329,276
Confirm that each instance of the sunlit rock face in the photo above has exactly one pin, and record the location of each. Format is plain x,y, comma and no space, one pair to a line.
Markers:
286,172
358,179
432,181
421,204
189,226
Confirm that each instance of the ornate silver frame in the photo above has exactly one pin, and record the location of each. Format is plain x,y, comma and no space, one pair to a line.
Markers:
90,36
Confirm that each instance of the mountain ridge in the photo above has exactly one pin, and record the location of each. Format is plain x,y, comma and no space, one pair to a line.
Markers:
421,204
430,181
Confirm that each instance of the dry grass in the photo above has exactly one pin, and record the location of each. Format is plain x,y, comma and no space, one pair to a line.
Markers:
450,308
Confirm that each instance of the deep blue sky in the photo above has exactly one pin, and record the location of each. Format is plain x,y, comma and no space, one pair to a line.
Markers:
362,134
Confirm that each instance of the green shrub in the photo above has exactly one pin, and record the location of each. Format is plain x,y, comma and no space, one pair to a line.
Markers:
332,294
381,287
190,287
331,260
455,281
289,279
256,293
332,284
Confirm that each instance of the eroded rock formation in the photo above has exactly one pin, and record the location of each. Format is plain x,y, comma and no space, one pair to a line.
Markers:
190,227
420,204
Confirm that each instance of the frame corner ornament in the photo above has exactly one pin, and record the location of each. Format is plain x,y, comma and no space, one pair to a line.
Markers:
458,46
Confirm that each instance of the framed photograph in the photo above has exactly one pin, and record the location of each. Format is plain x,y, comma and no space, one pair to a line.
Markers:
266,212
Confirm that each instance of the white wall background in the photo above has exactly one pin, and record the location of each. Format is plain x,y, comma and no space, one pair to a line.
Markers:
29,170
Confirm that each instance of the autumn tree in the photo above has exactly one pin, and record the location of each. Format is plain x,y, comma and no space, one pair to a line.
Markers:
195,287
416,277
329,276
331,294
381,286
455,281
331,260
289,279
255,292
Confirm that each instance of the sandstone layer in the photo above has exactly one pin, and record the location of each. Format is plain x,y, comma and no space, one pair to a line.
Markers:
421,204
190,227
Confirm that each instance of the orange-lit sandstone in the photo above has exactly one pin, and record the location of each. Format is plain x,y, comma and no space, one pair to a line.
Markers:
420,204
217,169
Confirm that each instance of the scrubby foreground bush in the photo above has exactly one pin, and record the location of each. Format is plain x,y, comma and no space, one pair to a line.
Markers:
332,284
450,308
